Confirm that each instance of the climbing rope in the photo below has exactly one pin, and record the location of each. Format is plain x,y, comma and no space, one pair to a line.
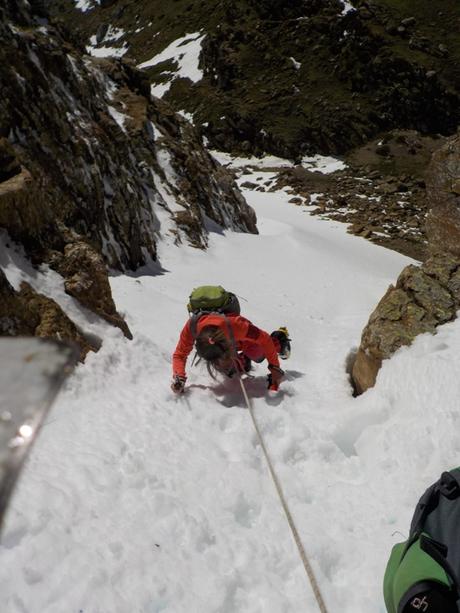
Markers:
295,534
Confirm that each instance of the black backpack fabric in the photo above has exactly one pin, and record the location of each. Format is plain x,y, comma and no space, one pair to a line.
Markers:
422,572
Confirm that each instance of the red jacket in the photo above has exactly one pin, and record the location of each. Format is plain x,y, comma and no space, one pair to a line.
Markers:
248,338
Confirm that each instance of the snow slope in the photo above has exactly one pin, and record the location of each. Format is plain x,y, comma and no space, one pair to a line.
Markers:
135,500
184,53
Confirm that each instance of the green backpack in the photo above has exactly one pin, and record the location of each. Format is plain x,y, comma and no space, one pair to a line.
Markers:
422,573
213,298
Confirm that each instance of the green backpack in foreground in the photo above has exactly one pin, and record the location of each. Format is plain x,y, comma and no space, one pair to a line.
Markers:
213,298
422,573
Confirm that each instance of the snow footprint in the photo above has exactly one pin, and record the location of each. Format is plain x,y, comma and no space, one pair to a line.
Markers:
245,513
31,576
229,423
13,537
116,549
164,505
294,454
441,347
205,539
347,434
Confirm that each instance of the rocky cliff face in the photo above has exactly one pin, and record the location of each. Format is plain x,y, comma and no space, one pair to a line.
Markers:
427,296
27,313
443,222
88,162
292,77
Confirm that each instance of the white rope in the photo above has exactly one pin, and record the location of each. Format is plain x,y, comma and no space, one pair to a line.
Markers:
295,534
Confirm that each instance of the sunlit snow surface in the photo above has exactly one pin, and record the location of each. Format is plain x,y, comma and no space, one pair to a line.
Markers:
135,500
317,163
107,51
185,53
85,5
102,50
347,7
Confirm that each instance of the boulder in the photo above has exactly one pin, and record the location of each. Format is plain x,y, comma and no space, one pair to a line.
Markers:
52,322
424,297
28,313
86,279
443,187
365,369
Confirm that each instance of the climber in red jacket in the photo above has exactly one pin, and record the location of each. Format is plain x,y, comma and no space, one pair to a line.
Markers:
228,343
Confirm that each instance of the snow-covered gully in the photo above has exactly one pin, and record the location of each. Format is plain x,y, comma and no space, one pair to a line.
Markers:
279,490
135,501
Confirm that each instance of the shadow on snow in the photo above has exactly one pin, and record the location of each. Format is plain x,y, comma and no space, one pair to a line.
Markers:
229,393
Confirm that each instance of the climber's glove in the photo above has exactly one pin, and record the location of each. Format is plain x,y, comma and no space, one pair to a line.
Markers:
178,384
275,377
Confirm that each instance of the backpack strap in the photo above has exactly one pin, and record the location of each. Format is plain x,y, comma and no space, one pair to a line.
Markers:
231,336
427,503
438,551
194,323
449,485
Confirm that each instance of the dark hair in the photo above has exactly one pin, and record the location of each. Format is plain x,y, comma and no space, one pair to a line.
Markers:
211,344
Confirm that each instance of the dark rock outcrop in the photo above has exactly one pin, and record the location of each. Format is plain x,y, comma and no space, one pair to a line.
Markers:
95,151
27,313
423,298
85,278
88,158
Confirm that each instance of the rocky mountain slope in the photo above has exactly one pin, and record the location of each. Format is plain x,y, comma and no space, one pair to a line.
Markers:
378,82
425,296
291,77
91,166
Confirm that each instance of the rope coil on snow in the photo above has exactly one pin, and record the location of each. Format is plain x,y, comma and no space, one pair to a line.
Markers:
292,526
